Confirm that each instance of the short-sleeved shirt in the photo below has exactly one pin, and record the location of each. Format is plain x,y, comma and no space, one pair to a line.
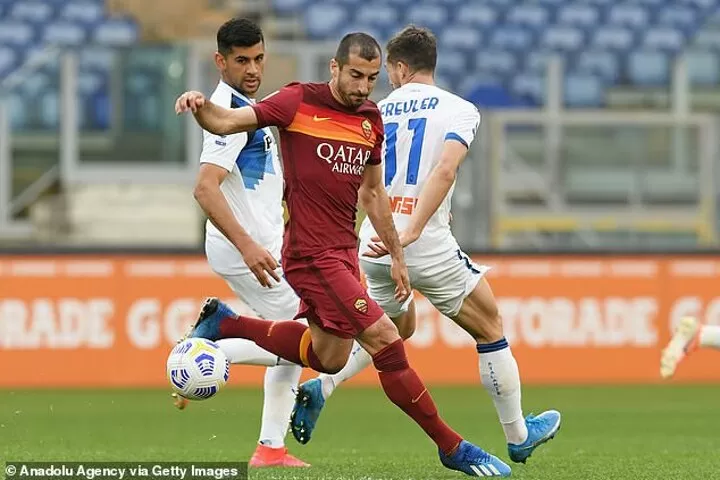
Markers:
325,147
418,120
253,187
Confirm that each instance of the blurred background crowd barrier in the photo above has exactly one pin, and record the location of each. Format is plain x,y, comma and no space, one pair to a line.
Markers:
599,136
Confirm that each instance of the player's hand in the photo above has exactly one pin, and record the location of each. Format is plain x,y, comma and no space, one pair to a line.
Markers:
399,273
378,249
261,263
189,101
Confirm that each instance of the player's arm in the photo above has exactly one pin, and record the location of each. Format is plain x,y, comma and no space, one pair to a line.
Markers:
437,186
374,200
458,138
216,119
211,199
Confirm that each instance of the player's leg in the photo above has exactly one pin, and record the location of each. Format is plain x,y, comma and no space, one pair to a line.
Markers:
688,337
459,290
405,389
313,394
280,380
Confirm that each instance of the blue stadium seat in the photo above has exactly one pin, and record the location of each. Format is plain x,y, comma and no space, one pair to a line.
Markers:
708,39
537,61
602,64
82,11
96,58
380,34
16,33
527,15
628,15
612,38
578,15
663,38
496,62
530,86
678,16
323,20
601,2
493,95
8,61
288,7
703,67
460,37
582,90
378,14
566,39
31,11
648,68
481,15
116,32
429,15
452,63
511,38
64,33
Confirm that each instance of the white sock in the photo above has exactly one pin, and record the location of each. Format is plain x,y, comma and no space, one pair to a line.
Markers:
710,336
357,362
501,378
278,404
246,352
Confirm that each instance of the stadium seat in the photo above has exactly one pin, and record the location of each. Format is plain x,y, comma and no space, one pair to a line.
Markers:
566,39
31,11
528,15
479,15
496,62
663,38
288,7
16,33
678,16
378,14
628,15
64,33
116,32
452,63
612,38
582,90
97,58
702,67
8,61
537,61
511,38
460,37
323,20
648,68
429,15
603,64
86,12
578,15
530,86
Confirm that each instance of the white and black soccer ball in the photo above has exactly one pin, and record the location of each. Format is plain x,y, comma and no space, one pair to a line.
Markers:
197,368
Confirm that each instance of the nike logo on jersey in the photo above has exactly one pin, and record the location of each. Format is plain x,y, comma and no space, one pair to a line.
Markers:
320,119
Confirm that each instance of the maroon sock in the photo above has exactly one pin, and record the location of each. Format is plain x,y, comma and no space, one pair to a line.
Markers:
287,339
405,389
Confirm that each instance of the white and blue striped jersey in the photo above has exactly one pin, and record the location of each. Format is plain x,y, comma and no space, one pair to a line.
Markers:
253,187
418,120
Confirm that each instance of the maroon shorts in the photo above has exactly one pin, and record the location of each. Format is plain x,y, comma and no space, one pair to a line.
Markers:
330,292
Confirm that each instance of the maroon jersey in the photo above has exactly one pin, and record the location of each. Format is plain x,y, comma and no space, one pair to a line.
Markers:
325,147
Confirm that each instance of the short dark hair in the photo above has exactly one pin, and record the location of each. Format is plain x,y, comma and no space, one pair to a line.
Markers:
365,46
238,32
414,46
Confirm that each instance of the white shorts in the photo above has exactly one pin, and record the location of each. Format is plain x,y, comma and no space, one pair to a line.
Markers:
277,303
445,284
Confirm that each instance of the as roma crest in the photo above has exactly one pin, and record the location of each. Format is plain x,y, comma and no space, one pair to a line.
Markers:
367,128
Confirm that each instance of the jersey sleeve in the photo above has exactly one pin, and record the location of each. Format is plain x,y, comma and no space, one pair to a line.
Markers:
377,151
222,151
278,109
464,125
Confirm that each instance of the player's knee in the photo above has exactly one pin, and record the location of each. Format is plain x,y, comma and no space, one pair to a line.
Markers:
378,336
333,365
406,330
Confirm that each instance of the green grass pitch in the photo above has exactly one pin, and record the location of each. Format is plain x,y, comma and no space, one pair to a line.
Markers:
658,432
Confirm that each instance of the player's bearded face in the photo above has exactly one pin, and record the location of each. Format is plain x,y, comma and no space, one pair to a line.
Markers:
243,68
355,81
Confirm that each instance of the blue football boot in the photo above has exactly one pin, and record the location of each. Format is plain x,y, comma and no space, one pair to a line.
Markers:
208,322
540,428
474,461
309,402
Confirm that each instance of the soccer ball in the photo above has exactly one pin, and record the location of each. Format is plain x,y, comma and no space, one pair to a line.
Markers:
197,368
